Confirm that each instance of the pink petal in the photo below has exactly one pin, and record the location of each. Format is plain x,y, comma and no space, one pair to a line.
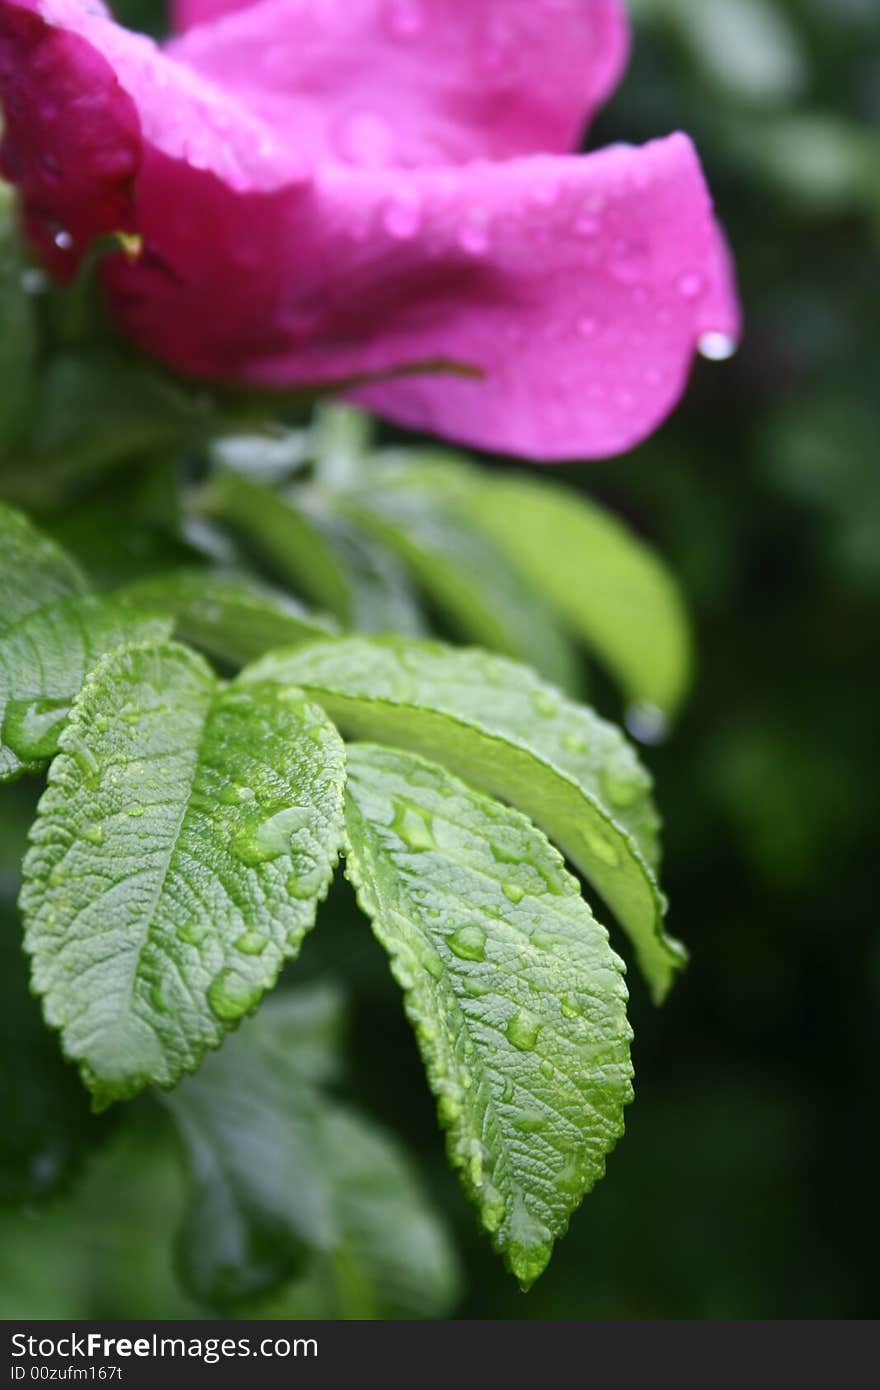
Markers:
377,83
578,287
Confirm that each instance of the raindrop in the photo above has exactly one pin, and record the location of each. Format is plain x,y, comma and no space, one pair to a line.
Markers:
545,704
647,723
468,943
414,826
63,240
402,219
94,834
717,347
690,286
271,838
523,1030
474,238
252,943
513,892
229,996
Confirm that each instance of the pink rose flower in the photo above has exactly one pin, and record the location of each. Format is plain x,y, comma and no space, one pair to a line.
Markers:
329,189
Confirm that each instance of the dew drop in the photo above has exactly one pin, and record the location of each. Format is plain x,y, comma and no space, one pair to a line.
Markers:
271,838
522,1031
620,788
513,892
63,240
229,996
547,1069
569,1006
573,743
473,237
717,347
414,826
545,704
468,943
402,219
252,943
690,286
647,723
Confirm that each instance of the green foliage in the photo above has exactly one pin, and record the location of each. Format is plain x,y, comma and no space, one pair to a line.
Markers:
52,630
189,830
517,1001
298,1206
231,617
182,846
503,728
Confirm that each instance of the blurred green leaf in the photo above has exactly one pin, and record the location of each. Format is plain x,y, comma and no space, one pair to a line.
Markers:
230,616
277,1170
465,574
284,537
517,1002
18,332
610,587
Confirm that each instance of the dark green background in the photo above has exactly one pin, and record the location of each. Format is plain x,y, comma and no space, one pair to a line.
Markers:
746,1184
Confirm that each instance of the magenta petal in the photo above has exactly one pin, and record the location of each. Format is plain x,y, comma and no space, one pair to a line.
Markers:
577,288
403,83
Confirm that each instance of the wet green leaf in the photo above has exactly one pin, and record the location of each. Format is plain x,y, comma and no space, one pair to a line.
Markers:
505,730
517,1001
185,839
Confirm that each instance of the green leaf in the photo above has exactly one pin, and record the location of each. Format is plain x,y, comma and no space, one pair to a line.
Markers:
284,537
18,333
276,1170
230,616
611,589
51,633
181,848
391,1258
516,998
259,1198
467,577
382,598
139,410
46,1126
503,729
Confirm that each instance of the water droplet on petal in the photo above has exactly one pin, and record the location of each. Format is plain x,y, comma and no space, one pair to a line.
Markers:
691,286
717,347
402,218
63,240
473,237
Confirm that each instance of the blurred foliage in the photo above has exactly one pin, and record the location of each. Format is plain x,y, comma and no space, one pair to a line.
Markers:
746,1186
